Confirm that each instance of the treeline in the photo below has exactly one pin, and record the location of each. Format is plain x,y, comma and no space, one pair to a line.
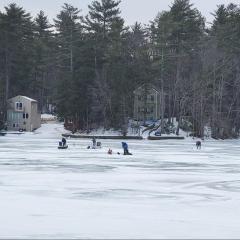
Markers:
90,65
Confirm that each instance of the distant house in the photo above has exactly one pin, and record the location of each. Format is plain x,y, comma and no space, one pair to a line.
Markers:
22,114
147,103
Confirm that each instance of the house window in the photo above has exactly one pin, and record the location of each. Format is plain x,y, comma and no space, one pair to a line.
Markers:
139,98
152,98
152,110
139,109
25,116
19,106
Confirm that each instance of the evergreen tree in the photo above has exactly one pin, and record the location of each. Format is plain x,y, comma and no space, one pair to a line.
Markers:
2,83
176,39
43,73
105,27
17,29
224,71
71,96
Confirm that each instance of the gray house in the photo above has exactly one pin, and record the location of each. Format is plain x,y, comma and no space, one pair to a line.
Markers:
147,103
22,114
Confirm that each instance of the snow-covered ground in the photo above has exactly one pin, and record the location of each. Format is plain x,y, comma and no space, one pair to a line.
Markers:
48,117
167,189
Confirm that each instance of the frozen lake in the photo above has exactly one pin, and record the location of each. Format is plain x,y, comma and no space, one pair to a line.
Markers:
167,189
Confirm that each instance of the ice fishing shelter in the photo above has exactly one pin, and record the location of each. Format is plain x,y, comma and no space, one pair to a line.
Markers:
23,114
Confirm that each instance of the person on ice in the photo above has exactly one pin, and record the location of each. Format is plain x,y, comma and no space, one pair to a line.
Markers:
199,144
125,149
110,152
94,141
64,142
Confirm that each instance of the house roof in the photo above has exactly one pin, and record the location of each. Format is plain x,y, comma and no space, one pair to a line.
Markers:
30,99
147,85
27,98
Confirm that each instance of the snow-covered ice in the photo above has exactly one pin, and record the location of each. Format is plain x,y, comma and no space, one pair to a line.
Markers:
167,189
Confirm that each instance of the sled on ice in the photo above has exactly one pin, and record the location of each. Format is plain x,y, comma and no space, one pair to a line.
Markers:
63,147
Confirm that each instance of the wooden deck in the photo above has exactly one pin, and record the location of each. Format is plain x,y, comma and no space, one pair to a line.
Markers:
104,137
165,138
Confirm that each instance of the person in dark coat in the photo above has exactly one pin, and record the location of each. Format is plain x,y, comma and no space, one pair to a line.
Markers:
94,141
199,144
64,142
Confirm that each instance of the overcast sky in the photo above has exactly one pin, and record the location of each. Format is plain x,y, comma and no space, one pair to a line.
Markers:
132,10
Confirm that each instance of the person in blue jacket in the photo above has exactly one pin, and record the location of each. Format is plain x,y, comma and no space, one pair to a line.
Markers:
125,148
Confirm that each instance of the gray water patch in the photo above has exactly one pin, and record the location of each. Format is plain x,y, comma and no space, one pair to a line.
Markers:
228,186
122,194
